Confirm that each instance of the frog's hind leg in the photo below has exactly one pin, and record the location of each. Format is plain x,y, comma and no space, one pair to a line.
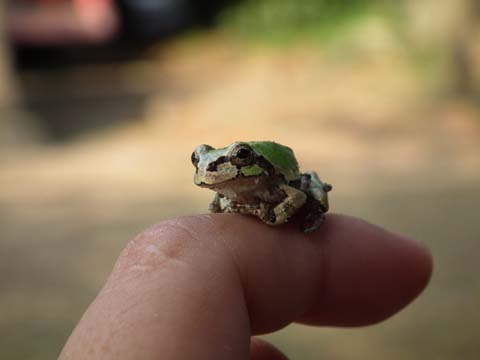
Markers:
316,188
317,202
293,201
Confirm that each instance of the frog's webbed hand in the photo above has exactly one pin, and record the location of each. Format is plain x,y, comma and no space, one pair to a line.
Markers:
293,201
221,204
250,209
214,206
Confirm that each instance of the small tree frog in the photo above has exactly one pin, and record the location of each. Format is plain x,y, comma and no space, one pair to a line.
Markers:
261,178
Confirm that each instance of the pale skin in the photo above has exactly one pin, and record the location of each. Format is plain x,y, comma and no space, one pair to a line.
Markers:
201,287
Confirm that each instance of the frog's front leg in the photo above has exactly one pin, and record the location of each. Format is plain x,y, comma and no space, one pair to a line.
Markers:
293,201
222,204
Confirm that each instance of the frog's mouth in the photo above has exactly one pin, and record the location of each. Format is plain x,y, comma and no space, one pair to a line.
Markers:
213,185
238,184
223,184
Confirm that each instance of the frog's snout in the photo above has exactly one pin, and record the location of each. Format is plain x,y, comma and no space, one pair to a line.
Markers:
201,178
197,179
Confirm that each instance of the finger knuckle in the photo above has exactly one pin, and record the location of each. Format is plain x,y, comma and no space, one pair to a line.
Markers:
156,247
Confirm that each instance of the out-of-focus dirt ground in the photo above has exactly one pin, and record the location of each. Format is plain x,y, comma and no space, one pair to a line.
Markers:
396,154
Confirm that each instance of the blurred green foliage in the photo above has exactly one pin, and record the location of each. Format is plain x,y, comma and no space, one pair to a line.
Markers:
284,20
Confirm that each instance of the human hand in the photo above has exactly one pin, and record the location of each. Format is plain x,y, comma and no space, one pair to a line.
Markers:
199,287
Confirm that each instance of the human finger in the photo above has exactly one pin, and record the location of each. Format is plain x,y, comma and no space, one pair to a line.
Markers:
200,286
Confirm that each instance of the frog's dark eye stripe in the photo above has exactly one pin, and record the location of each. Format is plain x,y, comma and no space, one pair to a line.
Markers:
213,166
194,159
265,165
242,155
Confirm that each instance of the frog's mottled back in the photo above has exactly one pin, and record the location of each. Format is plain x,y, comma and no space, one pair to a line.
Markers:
280,156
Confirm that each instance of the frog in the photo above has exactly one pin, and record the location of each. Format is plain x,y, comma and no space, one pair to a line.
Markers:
263,179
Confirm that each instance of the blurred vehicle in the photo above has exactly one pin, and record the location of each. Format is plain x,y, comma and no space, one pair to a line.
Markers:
60,22
70,22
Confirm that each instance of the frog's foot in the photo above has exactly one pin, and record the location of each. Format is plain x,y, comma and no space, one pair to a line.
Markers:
313,221
313,215
280,214
215,206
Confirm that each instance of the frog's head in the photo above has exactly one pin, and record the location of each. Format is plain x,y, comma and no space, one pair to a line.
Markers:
215,167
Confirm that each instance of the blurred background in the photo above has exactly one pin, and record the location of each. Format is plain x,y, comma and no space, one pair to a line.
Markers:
103,101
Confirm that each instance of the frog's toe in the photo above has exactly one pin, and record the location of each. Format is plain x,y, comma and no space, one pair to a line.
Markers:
327,187
214,207
268,216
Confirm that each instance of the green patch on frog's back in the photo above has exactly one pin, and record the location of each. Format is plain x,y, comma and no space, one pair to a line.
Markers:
280,156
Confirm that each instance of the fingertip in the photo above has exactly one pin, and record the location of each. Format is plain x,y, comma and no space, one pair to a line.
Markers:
410,275
417,269
371,274
426,265
411,270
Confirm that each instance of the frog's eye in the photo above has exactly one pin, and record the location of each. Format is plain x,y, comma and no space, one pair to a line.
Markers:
195,159
242,155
